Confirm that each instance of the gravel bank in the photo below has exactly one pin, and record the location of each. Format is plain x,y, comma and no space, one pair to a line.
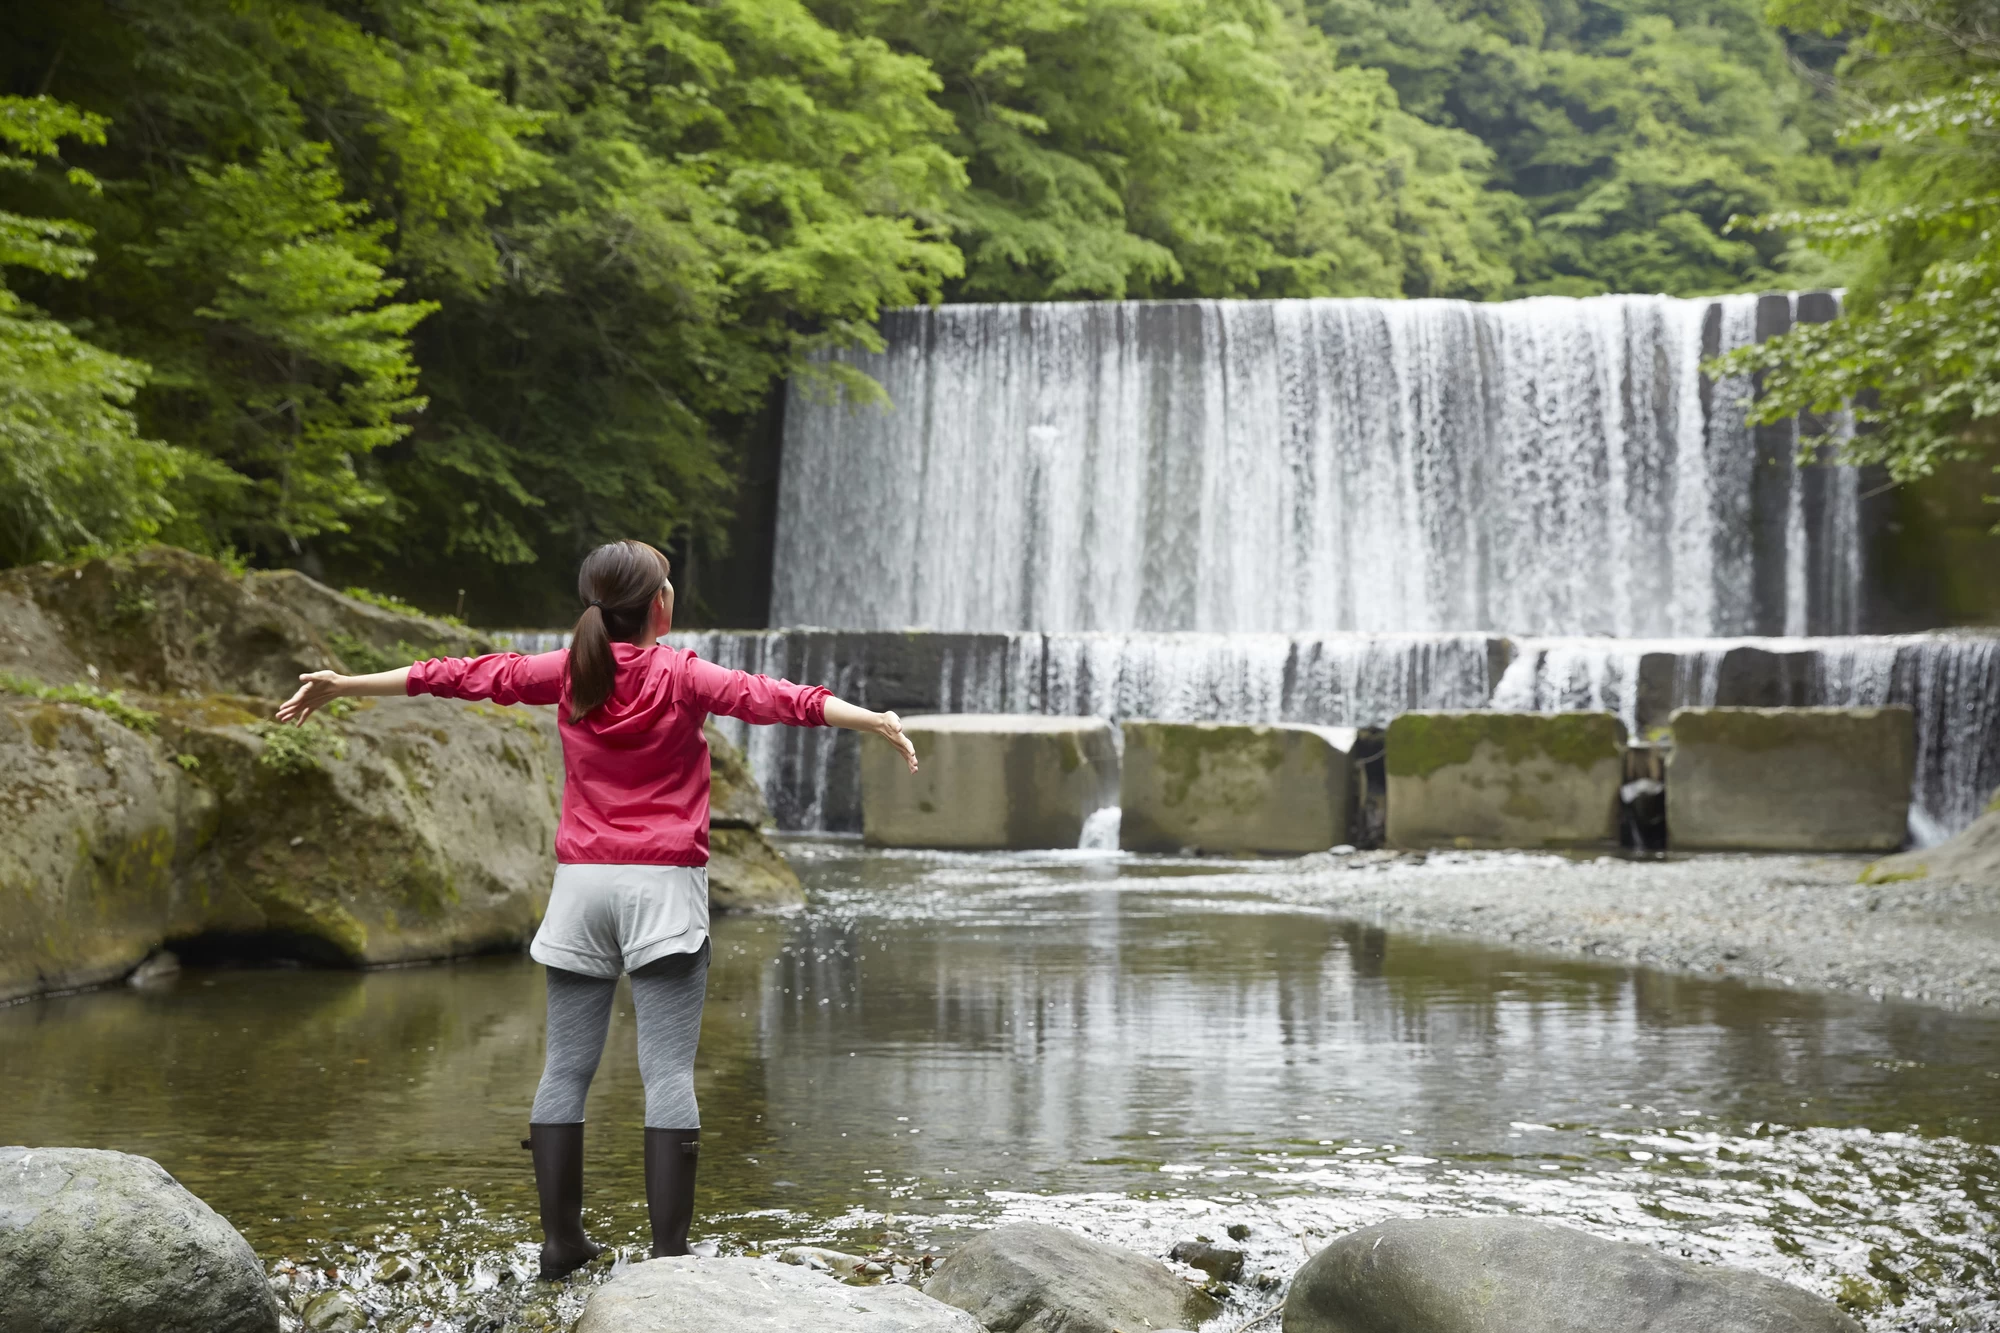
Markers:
1792,921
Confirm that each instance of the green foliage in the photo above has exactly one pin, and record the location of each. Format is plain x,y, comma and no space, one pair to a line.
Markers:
75,473
425,292
1179,147
1629,130
724,189
292,750
1916,353
385,602
295,364
108,702
363,658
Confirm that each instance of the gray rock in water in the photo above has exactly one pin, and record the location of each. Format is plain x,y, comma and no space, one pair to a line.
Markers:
1486,1274
1218,1261
110,1243
695,1295
1028,1276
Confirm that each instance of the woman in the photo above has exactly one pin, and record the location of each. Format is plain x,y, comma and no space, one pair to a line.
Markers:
631,885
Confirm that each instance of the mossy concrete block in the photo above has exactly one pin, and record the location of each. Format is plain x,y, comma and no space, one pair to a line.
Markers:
1493,779
989,780
1220,787
1790,779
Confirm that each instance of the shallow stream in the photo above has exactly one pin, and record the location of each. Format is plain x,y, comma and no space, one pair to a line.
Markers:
1143,1049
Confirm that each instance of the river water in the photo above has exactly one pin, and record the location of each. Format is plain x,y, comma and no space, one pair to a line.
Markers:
1144,1049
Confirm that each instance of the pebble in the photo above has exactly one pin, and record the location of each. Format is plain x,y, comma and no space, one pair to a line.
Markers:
1792,920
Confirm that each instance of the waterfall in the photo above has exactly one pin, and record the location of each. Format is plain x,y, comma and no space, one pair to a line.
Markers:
1547,466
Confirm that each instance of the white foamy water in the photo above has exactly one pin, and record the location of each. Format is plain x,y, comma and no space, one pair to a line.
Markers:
1542,466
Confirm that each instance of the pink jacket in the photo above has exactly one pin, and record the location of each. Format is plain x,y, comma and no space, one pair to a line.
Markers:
635,769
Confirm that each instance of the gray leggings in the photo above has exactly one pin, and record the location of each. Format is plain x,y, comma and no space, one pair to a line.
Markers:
667,994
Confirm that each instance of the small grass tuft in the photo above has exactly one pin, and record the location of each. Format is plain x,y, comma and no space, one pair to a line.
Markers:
385,602
108,702
293,750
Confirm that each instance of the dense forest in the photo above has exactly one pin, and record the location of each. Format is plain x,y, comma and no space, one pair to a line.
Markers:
435,294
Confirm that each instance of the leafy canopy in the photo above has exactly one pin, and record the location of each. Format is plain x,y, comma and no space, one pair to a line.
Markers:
1916,353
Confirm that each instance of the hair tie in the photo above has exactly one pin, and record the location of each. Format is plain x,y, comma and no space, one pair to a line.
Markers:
599,605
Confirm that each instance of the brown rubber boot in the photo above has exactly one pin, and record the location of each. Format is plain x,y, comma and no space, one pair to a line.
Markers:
671,1156
558,1151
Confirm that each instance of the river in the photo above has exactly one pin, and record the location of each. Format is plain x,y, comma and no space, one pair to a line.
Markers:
1147,1049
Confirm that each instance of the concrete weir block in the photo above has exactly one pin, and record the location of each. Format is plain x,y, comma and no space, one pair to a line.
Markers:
989,780
1219,787
1790,779
1493,779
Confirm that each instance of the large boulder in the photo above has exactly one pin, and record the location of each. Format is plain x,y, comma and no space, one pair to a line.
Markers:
989,780
103,829
1500,779
389,831
165,621
103,1242
694,1295
1511,1275
1039,1279
1219,787
1790,779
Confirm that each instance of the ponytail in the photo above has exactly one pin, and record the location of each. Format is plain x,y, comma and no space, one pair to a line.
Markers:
619,582
592,668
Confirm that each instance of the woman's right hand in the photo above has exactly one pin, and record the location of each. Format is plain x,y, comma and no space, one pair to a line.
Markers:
320,688
891,729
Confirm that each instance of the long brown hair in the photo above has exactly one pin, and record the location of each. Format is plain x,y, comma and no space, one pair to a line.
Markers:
618,581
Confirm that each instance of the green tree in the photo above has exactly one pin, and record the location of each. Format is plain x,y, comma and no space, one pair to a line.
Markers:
1916,352
1188,147
1631,130
75,473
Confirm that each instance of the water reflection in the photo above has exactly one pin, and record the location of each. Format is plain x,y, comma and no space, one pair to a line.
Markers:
1132,1047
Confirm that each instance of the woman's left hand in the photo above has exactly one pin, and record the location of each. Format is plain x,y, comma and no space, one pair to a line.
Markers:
320,689
891,728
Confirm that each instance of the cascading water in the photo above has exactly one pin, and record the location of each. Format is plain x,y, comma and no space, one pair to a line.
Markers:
1543,466
1310,511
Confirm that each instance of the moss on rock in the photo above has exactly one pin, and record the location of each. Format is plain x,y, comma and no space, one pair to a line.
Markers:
1419,744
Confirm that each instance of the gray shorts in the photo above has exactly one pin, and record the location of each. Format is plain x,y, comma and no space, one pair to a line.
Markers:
607,919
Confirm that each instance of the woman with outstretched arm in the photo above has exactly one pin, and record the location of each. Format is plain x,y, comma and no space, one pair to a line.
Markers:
631,885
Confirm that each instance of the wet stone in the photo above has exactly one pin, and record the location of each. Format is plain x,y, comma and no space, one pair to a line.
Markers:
1033,1277
111,1243
697,1295
333,1312
1218,1261
1474,1274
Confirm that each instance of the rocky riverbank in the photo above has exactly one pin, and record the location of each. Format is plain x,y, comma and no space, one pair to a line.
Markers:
151,801
1834,923
172,1264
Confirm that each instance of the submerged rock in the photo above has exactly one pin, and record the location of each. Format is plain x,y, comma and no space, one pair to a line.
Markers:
399,830
695,1295
110,1243
1032,1277
1218,1261
1476,1274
